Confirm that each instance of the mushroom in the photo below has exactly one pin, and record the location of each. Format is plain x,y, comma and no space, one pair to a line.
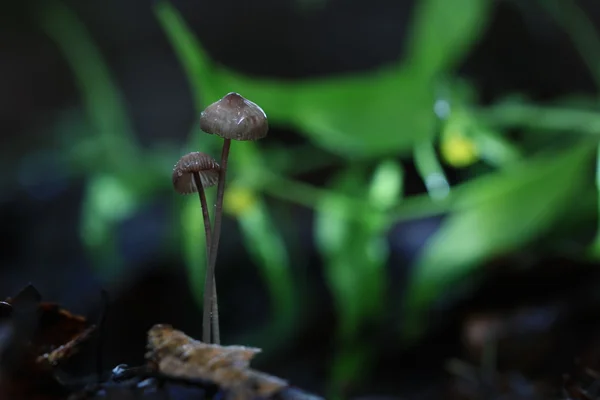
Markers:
233,118
192,174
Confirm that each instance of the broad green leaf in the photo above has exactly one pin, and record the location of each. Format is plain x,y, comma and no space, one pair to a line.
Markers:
443,32
360,115
494,215
374,114
209,81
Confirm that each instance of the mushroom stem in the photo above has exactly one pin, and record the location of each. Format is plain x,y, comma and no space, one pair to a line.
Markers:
208,305
214,243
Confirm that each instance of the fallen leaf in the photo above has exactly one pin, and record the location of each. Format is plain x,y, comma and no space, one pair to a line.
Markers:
175,354
37,337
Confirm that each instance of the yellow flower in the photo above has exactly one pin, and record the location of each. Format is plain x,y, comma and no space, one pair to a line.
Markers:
238,200
457,149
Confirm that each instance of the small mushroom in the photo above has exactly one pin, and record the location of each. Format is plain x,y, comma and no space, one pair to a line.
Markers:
192,174
233,118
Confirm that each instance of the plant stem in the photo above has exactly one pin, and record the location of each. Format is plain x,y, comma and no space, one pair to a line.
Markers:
214,243
209,306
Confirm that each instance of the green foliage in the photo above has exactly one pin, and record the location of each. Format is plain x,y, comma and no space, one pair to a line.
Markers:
443,33
270,254
364,115
112,152
430,170
193,241
355,253
107,202
116,147
495,215
376,117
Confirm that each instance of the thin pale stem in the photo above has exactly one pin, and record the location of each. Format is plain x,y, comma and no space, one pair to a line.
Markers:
209,306
214,243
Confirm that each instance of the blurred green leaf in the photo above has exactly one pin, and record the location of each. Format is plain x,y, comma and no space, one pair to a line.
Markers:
110,158
352,365
581,29
464,140
430,170
261,236
266,246
247,164
355,252
192,55
370,114
386,186
493,215
443,32
343,243
116,147
595,247
510,114
494,148
194,242
106,203
375,114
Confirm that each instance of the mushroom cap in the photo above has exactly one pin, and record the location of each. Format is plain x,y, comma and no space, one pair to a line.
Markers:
205,165
234,117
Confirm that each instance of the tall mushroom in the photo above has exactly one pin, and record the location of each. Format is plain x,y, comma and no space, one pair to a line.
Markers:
233,118
192,174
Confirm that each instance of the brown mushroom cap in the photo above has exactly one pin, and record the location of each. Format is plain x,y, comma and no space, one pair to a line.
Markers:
234,117
205,165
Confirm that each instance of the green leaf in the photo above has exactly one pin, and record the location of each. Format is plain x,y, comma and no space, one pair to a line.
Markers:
106,203
103,101
443,32
194,242
595,247
265,245
431,171
371,114
195,60
354,256
374,114
351,367
494,148
494,215
355,252
386,185
580,27
490,145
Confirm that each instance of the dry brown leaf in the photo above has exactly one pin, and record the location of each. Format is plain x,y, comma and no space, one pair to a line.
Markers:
36,337
67,350
176,354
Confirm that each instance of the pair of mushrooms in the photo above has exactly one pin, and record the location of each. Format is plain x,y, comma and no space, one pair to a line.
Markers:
233,118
